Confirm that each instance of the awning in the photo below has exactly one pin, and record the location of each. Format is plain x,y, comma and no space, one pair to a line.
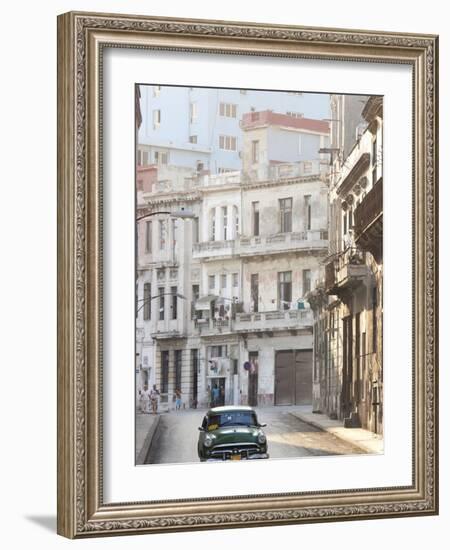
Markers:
204,303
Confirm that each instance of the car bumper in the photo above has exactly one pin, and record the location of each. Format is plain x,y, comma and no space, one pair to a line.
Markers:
255,456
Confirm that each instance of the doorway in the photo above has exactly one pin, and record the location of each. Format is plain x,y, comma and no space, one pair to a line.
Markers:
253,379
219,400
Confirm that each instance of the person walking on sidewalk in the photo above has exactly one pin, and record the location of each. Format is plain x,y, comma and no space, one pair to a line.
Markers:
154,396
144,400
177,399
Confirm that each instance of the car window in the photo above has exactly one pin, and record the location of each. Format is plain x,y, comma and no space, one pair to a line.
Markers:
234,418
204,423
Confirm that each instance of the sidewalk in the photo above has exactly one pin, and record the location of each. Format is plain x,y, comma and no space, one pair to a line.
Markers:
146,425
364,439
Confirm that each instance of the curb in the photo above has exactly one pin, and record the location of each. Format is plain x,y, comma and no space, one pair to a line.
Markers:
360,445
140,459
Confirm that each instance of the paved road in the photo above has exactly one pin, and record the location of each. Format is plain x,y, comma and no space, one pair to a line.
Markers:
176,438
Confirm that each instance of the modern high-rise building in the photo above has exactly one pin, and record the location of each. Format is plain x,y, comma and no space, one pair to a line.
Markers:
199,128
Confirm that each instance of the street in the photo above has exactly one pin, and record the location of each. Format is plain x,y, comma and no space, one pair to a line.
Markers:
175,440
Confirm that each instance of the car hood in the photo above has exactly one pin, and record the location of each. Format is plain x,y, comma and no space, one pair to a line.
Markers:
232,434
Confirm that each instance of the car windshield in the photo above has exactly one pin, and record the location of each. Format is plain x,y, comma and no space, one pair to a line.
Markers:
234,418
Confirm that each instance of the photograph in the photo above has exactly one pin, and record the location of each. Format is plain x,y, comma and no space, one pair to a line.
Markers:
259,274
247,274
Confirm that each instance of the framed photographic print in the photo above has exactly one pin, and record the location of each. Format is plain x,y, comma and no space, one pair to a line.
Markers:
247,283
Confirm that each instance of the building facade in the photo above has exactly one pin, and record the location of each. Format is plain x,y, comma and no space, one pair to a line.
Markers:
347,302
199,128
221,295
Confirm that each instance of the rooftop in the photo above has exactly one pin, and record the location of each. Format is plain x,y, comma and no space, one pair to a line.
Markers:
269,118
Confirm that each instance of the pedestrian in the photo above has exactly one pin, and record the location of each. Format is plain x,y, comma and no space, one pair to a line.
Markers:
144,400
177,399
154,397
215,393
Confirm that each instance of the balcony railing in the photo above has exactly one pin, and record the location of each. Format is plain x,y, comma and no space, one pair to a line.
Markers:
369,221
273,320
345,270
212,326
213,249
285,170
283,242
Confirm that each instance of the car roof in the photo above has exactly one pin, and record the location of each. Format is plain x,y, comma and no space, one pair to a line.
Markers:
230,408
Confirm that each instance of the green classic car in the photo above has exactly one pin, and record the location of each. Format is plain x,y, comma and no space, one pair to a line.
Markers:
231,433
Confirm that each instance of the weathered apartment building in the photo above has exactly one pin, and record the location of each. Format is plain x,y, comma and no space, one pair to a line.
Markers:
347,303
221,295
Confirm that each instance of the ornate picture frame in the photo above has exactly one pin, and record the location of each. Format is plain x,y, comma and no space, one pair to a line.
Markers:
82,39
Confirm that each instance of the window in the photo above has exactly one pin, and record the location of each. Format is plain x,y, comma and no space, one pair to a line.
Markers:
307,203
162,234
255,151
139,157
224,170
212,282
236,220
255,218
374,319
225,222
174,299
235,280
193,112
161,303
148,236
161,157
195,230
195,297
174,236
306,281
284,289
164,371
350,218
145,158
374,161
228,109
178,364
363,366
223,280
156,118
192,139
147,301
218,351
345,223
285,215
254,291
213,224
228,143
156,91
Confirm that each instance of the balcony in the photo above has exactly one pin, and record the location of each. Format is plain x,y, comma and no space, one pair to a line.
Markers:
268,321
345,271
212,327
285,171
213,249
368,226
280,243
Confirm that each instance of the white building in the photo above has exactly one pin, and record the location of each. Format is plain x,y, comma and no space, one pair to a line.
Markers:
222,295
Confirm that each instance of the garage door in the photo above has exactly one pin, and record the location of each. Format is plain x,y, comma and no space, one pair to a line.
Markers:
293,377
